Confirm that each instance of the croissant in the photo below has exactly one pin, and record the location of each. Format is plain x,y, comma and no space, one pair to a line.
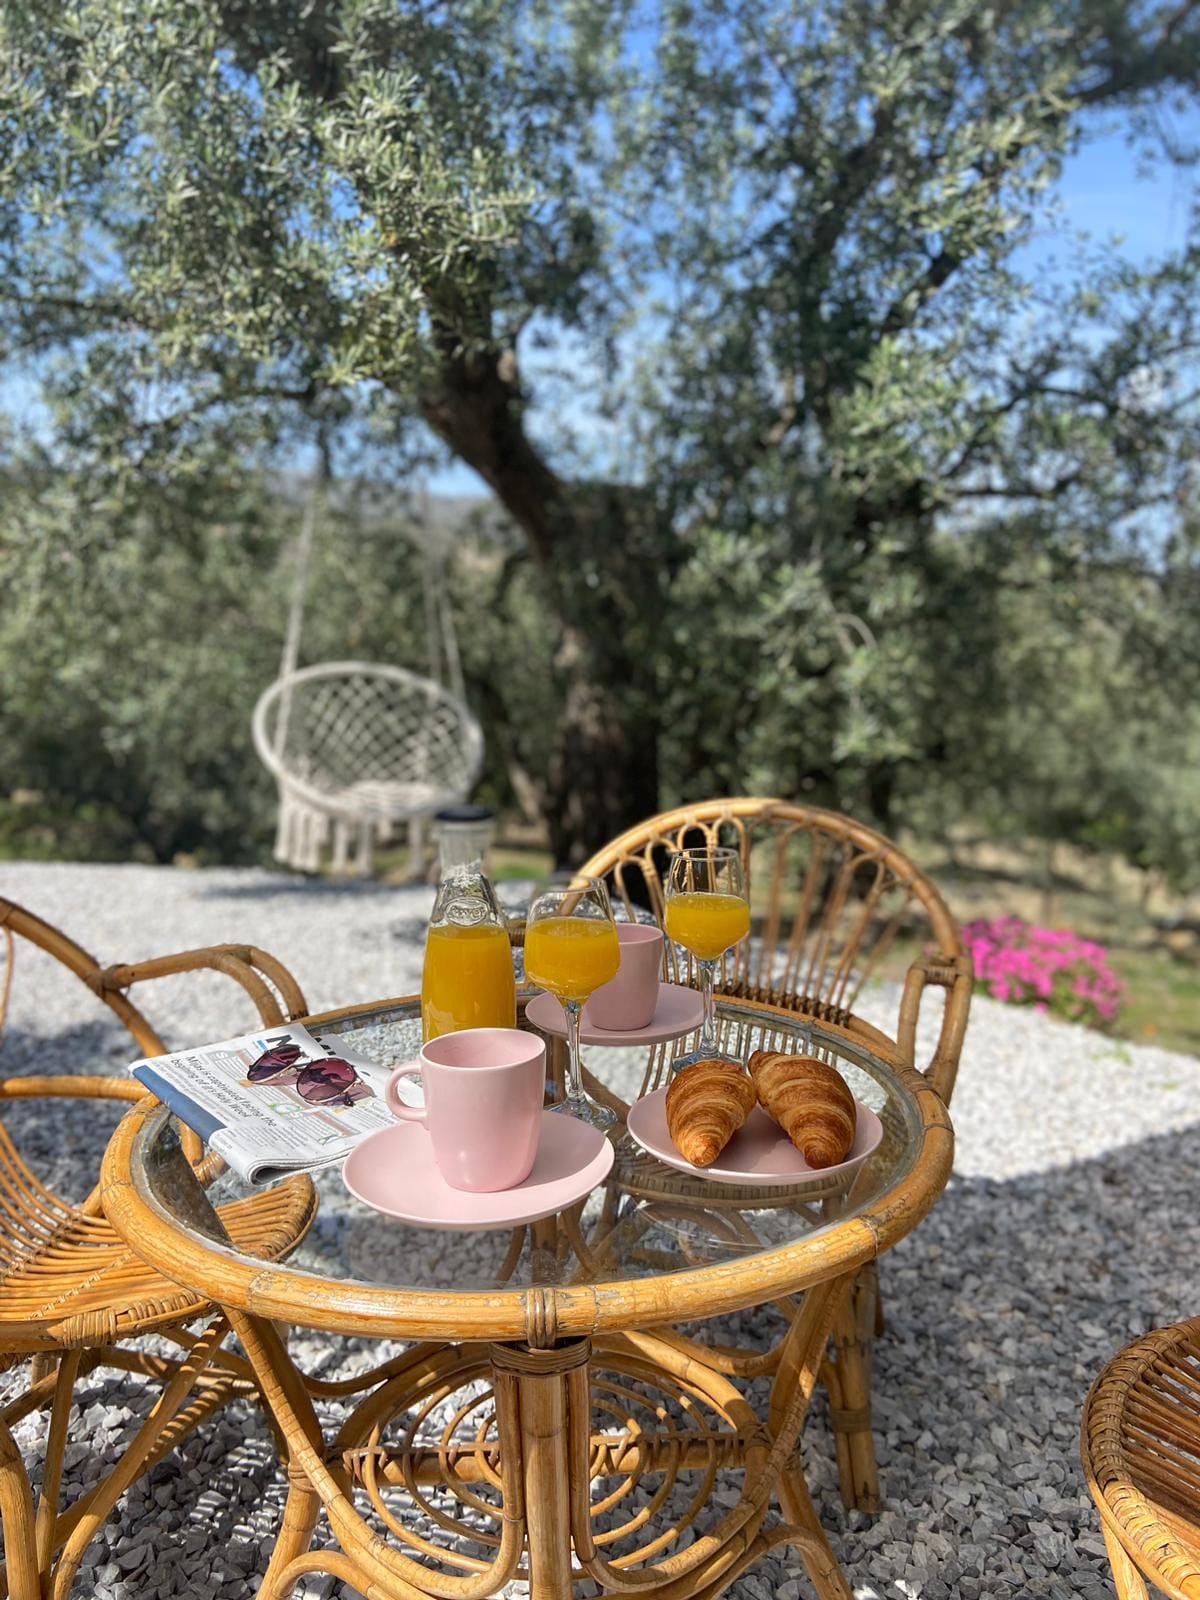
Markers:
706,1105
810,1101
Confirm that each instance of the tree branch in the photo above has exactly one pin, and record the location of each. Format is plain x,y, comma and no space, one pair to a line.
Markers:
476,407
904,308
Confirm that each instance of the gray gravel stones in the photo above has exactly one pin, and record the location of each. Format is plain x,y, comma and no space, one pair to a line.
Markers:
1069,1227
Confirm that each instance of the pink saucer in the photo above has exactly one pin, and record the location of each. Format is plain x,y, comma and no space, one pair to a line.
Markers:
680,1010
759,1155
394,1172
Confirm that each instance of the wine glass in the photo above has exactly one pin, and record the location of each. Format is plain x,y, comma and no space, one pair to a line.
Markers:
571,949
707,913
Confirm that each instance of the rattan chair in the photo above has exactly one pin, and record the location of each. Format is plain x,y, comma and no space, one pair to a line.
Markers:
1141,1458
72,1294
829,898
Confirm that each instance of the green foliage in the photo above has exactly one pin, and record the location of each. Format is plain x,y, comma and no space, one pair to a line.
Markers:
819,482
131,663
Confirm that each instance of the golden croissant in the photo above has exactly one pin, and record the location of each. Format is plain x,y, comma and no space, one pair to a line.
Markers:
706,1105
810,1102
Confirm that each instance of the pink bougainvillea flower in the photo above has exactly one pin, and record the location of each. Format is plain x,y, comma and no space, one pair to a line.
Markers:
1052,969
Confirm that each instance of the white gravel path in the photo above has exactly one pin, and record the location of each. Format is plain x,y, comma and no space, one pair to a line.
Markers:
1070,1227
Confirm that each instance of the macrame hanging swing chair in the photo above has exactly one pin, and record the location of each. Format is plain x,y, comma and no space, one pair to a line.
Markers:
358,749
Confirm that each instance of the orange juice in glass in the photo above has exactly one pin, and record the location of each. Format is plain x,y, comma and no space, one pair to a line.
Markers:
707,924
707,913
571,956
571,950
468,979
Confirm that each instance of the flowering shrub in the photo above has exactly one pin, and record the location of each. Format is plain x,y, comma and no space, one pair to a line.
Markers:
1051,969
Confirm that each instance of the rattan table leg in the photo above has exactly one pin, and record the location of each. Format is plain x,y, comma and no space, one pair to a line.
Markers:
540,1378
850,1397
299,1523
529,1440
824,1573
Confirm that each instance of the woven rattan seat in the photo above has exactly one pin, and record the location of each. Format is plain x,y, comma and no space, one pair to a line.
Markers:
72,1293
1141,1457
54,1255
357,750
828,898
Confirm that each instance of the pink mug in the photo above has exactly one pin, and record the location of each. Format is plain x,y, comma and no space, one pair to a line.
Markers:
483,1104
628,1001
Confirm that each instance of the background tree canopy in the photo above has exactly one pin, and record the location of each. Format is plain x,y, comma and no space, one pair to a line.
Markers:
821,480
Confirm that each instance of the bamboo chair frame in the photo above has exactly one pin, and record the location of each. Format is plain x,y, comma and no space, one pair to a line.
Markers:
1141,1458
854,891
72,1292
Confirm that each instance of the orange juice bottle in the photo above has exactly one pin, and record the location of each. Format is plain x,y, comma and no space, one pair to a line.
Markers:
468,978
707,924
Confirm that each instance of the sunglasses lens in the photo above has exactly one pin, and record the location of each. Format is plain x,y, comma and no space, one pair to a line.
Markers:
326,1080
272,1062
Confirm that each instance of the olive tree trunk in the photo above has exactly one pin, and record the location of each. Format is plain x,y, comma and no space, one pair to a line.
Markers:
598,549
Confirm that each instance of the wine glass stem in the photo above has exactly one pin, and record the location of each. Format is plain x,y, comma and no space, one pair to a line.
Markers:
708,1028
573,1009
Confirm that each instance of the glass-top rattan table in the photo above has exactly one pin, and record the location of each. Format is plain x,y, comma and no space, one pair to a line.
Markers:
536,1428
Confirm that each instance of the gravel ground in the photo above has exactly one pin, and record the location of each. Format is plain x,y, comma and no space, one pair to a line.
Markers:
1069,1227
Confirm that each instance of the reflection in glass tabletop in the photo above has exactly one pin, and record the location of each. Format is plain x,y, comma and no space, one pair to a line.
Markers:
646,1220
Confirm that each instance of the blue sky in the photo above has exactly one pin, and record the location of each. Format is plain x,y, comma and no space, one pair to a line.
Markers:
1103,193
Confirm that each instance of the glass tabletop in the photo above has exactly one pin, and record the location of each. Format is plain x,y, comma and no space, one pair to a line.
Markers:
647,1219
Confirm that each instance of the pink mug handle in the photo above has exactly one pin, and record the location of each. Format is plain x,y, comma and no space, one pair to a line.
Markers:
406,1069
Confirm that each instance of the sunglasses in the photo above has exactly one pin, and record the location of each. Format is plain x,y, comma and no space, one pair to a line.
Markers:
318,1083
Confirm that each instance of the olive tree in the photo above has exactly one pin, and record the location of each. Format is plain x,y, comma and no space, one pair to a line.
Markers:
724,300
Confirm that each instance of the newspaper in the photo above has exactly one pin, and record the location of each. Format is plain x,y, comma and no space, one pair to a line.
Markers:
274,1102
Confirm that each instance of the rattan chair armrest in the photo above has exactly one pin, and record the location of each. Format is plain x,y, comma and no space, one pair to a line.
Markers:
243,963
68,1088
955,975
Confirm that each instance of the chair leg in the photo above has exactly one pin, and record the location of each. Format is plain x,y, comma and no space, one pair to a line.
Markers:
41,1366
22,1580
56,1444
365,857
1130,1585
341,844
416,849
850,1396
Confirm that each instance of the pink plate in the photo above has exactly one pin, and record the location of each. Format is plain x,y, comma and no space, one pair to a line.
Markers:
760,1154
679,1011
394,1172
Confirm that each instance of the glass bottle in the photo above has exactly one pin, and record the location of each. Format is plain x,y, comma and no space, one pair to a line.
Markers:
468,977
464,835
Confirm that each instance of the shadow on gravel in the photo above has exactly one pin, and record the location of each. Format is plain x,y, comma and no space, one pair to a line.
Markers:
63,1141
99,1046
1001,1308
304,889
